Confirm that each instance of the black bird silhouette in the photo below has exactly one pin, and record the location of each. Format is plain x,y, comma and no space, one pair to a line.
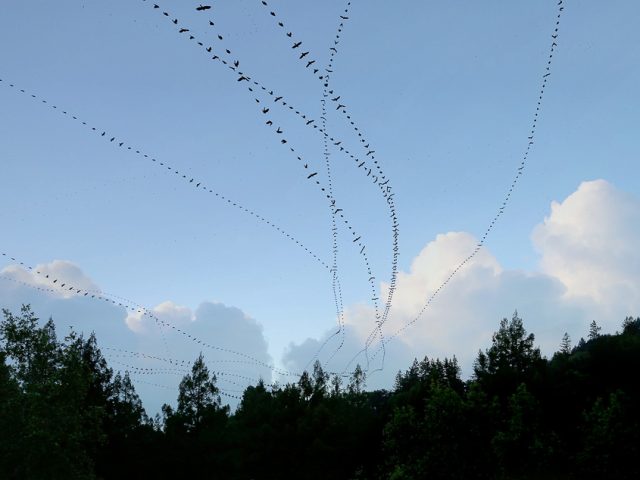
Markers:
236,63
277,99
344,18
303,54
182,30
312,175
310,122
337,210
283,141
296,45
175,20
269,122
371,152
278,130
211,23
112,139
220,37
203,7
209,49
333,48
340,106
243,78
265,110
280,24
289,34
335,99
310,62
155,6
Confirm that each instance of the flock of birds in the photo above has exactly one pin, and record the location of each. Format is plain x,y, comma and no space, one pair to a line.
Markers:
365,162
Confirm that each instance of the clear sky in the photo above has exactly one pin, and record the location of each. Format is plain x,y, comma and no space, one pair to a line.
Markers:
444,93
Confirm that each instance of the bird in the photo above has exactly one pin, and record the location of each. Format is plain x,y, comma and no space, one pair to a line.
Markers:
371,152
155,6
335,99
269,122
209,49
243,78
277,99
175,21
340,106
219,37
278,130
203,7
236,63
283,141
310,122
337,210
265,110
280,24
332,48
312,175
303,54
311,62
289,34
183,30
344,18
211,23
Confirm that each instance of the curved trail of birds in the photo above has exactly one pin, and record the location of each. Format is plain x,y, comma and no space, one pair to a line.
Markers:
68,287
140,370
507,197
325,79
233,65
192,181
327,155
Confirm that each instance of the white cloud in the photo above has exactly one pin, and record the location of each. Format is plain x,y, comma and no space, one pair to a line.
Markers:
590,269
590,242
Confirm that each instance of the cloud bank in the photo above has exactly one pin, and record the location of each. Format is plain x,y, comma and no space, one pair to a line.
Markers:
589,269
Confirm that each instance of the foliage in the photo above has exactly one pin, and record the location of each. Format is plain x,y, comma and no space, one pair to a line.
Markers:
65,414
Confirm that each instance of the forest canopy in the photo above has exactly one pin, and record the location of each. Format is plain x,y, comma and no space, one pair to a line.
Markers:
65,413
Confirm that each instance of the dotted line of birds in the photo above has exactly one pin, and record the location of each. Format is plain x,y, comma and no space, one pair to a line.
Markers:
327,155
194,182
518,174
181,372
265,110
381,180
68,287
343,109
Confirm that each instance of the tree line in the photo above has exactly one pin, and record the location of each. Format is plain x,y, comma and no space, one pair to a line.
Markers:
65,414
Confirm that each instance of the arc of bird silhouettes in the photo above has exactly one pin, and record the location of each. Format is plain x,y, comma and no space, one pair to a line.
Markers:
386,191
278,98
518,174
342,108
104,298
336,280
190,180
185,371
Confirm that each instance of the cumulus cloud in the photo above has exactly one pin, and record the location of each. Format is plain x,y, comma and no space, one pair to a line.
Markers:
232,343
590,242
589,270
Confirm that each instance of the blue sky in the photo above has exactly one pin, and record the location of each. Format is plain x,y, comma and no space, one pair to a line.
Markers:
445,94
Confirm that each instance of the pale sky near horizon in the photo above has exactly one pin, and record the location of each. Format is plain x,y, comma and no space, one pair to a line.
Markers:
444,92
